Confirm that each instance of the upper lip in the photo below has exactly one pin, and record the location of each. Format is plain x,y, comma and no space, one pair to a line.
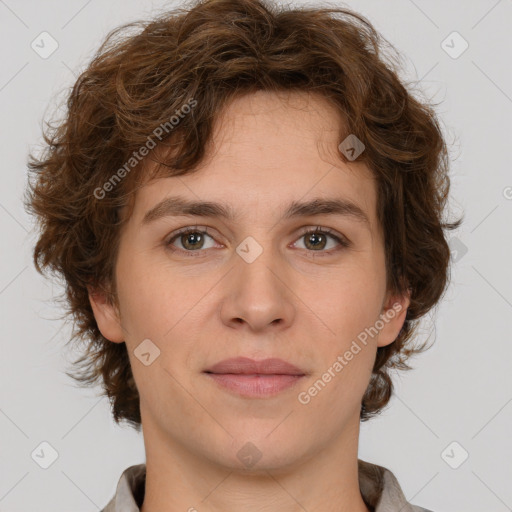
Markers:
247,366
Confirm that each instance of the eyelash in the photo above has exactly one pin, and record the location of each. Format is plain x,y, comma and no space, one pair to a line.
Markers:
204,230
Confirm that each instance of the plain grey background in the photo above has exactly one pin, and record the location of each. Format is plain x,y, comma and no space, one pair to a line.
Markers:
457,400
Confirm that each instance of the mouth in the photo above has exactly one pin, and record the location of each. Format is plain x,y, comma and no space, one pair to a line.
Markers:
257,379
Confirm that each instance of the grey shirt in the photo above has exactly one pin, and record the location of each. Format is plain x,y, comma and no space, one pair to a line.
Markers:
379,488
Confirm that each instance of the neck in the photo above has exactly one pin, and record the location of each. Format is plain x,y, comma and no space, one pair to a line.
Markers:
178,479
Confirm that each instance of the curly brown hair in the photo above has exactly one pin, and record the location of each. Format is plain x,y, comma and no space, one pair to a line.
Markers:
213,51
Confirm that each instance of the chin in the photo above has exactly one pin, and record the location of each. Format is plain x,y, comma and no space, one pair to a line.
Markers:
257,452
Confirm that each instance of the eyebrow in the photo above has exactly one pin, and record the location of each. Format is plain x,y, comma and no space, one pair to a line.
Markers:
176,206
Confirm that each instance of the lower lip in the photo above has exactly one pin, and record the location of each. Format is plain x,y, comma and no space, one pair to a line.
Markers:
255,385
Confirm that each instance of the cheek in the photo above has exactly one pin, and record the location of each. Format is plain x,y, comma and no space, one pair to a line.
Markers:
347,300
161,304
334,394
138,302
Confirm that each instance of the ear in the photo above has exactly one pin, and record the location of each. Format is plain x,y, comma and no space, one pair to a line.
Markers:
393,316
106,315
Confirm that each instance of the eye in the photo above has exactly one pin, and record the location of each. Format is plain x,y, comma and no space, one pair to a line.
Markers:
317,239
192,240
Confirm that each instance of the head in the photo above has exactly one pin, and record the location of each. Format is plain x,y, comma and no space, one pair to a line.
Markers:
245,104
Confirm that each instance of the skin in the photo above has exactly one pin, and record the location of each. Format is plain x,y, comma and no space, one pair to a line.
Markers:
268,149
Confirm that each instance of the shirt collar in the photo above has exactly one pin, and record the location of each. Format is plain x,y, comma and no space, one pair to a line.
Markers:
379,488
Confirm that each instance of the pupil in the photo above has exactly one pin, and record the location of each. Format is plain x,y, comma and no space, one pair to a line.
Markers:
192,239
316,238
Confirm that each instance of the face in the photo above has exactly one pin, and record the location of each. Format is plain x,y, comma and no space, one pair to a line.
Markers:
257,286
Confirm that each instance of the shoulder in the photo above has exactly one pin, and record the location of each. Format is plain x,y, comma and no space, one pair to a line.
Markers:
130,490
381,490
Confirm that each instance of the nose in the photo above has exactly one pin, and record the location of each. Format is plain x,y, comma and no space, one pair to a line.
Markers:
258,295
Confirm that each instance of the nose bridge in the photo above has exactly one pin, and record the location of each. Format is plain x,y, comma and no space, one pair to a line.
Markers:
258,263
258,292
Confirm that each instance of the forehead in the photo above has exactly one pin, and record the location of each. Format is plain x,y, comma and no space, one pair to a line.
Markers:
266,149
